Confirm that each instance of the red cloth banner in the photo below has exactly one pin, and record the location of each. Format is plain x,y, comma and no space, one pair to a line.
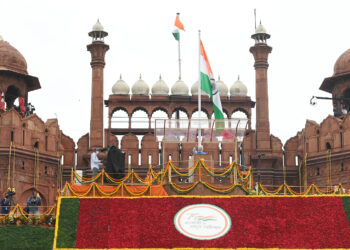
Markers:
21,105
2,102
257,222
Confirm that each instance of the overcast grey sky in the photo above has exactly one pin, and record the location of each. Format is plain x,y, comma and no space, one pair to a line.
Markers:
307,37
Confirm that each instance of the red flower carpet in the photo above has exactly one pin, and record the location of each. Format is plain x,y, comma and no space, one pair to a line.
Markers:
257,222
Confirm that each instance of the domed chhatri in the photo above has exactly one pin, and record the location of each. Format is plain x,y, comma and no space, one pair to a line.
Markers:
223,90
97,26
194,89
140,87
11,59
260,36
238,88
120,87
342,65
179,88
160,88
98,33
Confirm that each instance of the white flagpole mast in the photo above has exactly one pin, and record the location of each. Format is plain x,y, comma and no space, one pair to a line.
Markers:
179,60
199,93
178,14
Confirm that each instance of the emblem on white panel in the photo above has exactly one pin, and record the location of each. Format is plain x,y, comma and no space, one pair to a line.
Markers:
202,221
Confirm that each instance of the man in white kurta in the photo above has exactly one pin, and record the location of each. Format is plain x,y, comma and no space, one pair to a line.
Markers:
95,163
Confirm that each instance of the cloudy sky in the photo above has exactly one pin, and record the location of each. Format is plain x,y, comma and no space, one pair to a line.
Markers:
307,37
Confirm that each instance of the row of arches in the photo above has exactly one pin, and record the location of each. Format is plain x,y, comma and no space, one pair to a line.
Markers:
139,118
142,151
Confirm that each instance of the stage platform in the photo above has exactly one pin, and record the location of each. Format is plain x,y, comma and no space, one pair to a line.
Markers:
190,222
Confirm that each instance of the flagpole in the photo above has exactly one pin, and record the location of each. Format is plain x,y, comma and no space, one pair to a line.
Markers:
199,93
178,14
179,59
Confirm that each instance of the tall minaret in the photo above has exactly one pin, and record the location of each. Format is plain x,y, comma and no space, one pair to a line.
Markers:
98,50
261,52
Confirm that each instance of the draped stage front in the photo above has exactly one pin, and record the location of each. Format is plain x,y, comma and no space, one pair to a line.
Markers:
292,222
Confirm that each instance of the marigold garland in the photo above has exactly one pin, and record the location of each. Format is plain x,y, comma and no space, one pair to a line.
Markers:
215,174
181,189
117,181
136,194
108,194
244,181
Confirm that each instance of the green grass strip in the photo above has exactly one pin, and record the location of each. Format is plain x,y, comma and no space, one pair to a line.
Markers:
68,223
346,204
26,237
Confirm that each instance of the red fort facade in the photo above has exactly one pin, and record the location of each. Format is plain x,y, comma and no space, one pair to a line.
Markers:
34,154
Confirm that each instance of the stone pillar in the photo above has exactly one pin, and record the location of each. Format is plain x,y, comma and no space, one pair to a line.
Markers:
260,52
97,49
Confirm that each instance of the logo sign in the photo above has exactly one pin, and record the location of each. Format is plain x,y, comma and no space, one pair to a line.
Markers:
202,222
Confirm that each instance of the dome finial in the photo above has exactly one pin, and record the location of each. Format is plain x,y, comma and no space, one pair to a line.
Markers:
160,76
238,78
219,77
120,77
140,77
179,77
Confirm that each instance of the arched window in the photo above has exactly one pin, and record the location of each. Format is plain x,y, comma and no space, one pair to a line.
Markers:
179,114
182,118
120,119
203,120
346,102
139,119
12,93
239,122
238,114
158,114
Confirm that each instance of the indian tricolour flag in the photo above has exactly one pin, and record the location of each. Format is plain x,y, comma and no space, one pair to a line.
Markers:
208,83
177,27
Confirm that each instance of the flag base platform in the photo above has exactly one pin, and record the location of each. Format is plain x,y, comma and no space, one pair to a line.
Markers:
241,222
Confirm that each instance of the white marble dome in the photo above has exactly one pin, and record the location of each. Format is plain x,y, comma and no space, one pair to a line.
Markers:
260,29
97,26
179,88
194,89
140,87
120,87
160,88
223,90
238,89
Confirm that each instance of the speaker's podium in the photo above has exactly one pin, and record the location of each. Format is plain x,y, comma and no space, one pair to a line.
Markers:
179,140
